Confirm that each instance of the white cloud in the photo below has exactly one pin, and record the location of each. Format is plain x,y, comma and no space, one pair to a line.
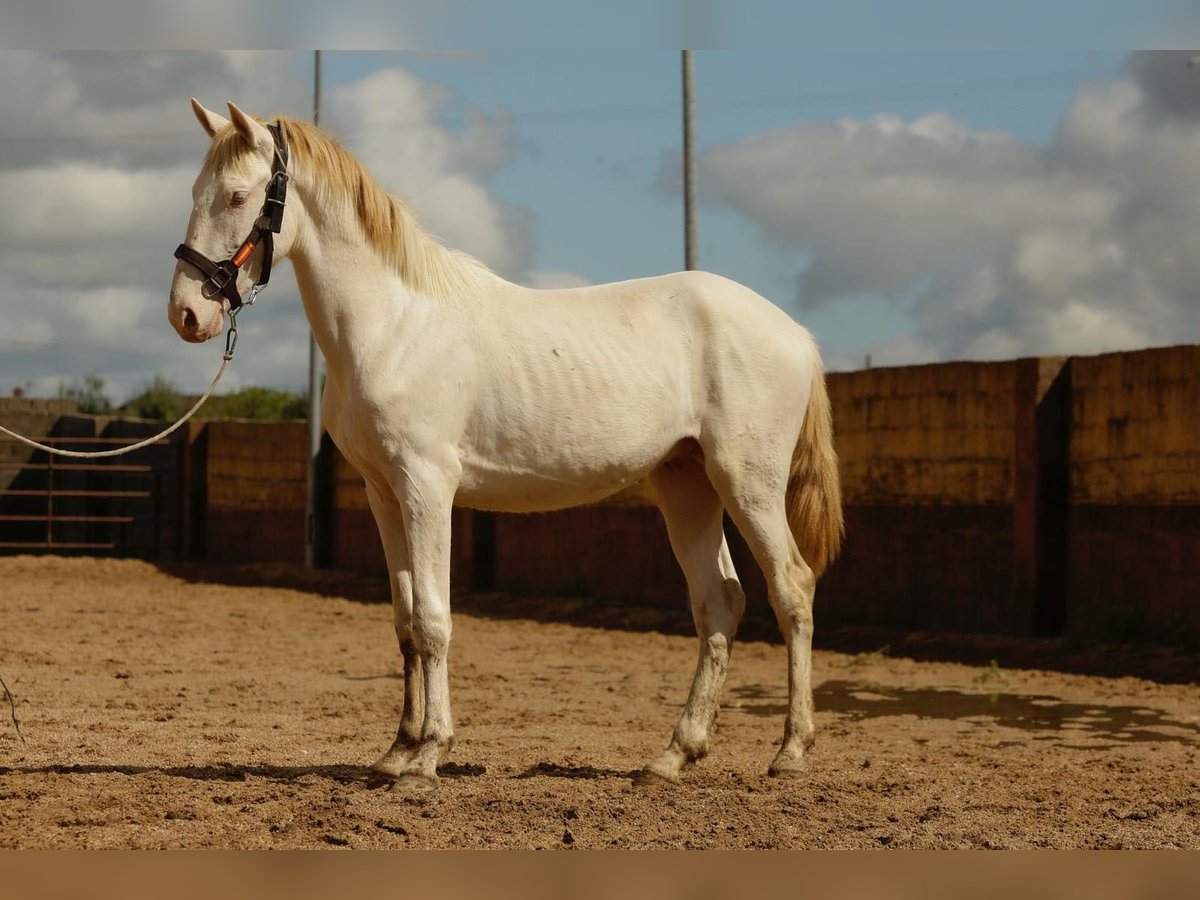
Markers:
391,120
997,248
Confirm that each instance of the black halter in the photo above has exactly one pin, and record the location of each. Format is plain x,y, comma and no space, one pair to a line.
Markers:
222,276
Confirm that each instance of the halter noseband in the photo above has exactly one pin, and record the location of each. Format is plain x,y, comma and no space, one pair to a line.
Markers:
222,276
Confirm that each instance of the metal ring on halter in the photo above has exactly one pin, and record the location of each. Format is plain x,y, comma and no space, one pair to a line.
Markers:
216,281
231,336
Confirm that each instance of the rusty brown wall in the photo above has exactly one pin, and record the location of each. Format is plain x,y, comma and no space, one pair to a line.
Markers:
1135,495
608,551
256,475
942,479
927,435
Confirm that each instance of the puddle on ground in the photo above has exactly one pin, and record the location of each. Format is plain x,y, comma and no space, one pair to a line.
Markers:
1059,719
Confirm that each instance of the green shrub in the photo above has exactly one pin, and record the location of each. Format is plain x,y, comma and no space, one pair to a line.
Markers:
88,395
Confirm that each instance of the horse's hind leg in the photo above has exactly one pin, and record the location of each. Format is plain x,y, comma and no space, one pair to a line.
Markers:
693,514
754,496
395,549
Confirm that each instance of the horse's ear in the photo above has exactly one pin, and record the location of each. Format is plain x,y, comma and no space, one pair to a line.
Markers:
210,121
254,133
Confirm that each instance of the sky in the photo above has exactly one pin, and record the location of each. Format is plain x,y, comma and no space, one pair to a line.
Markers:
1032,189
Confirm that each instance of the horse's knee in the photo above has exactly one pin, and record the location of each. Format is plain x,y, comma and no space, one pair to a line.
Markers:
431,634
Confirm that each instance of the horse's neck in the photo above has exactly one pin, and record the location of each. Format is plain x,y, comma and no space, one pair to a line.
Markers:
348,292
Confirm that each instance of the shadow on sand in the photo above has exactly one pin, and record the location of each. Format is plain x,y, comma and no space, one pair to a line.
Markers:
343,774
1157,663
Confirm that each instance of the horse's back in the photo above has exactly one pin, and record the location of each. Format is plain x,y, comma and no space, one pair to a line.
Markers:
697,305
586,390
667,346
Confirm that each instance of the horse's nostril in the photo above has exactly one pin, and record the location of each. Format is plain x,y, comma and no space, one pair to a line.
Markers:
189,320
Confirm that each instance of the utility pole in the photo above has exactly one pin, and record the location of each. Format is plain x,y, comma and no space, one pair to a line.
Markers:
689,166
314,389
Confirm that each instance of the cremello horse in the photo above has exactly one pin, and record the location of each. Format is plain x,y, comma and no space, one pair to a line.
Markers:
449,385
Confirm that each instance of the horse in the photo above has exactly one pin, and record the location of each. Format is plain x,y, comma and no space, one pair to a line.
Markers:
449,385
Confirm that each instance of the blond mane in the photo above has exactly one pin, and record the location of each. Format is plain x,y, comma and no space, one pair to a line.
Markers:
334,177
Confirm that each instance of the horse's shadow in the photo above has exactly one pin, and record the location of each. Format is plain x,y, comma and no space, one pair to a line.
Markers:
343,774
555,770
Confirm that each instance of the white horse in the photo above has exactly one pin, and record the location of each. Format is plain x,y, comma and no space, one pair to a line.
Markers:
449,385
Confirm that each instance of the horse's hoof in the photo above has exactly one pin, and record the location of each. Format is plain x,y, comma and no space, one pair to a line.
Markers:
391,765
410,783
650,778
376,780
788,767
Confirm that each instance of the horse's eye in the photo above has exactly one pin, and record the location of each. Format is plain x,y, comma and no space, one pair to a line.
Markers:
238,199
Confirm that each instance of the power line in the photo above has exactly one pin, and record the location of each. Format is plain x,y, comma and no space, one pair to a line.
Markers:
738,105
985,86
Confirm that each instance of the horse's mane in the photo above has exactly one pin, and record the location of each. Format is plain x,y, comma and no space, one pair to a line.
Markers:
336,177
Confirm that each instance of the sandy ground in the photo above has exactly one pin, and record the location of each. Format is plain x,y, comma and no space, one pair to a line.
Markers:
168,709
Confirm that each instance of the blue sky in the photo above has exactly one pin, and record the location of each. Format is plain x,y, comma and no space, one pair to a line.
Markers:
916,183
593,129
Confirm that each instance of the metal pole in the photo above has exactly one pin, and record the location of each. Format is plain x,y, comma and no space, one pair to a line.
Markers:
689,166
314,388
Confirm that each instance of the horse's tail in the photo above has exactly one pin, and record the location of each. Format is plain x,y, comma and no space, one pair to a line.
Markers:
814,492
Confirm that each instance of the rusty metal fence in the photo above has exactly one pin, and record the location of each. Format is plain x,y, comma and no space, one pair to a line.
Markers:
119,506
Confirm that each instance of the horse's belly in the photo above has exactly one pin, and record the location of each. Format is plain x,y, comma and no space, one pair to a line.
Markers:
552,436
528,494
556,482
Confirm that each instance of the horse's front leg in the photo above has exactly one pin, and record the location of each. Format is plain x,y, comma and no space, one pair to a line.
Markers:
426,496
395,548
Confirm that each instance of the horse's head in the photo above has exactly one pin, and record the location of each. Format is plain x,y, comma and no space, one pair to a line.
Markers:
230,231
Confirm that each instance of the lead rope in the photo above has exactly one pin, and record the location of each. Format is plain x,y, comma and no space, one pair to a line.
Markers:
230,344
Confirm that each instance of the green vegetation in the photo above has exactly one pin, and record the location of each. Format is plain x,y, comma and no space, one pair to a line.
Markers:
261,403
88,395
159,399
992,674
869,659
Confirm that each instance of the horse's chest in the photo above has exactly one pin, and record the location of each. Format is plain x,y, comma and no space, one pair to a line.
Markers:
355,433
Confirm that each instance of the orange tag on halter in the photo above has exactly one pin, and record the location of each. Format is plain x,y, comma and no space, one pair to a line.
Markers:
243,254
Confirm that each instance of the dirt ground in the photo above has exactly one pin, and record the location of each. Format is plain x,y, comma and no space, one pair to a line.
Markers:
173,709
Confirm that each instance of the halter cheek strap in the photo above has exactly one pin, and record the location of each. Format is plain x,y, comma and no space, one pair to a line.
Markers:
221,277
